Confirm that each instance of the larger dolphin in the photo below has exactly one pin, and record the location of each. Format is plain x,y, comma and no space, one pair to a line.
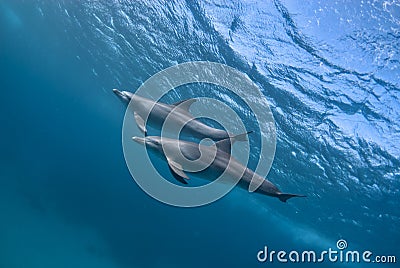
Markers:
216,157
178,113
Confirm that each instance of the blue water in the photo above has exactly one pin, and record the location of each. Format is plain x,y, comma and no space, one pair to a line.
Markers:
330,72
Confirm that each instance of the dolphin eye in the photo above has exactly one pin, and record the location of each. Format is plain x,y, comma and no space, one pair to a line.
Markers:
155,142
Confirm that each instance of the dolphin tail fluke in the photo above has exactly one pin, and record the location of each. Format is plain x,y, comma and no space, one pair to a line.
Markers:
284,197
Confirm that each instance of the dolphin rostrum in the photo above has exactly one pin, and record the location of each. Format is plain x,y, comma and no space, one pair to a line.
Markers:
178,113
216,158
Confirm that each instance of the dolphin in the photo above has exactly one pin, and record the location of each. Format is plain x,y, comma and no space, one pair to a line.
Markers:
216,157
178,113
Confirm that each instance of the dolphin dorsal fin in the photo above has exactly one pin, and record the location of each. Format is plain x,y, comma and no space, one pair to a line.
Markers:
185,104
225,145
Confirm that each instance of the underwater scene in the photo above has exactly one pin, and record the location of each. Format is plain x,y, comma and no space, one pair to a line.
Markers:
319,83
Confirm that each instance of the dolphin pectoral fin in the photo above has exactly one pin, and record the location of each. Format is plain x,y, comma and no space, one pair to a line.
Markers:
177,176
226,144
140,122
284,197
177,172
185,104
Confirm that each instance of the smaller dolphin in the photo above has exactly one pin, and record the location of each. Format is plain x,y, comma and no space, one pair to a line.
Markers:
157,113
221,160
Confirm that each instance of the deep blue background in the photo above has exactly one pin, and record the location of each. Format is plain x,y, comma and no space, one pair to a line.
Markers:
330,71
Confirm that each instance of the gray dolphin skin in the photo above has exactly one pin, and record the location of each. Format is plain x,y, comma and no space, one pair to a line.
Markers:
157,112
221,160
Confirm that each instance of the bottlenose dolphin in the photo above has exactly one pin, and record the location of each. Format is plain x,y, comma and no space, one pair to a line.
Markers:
157,113
217,158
